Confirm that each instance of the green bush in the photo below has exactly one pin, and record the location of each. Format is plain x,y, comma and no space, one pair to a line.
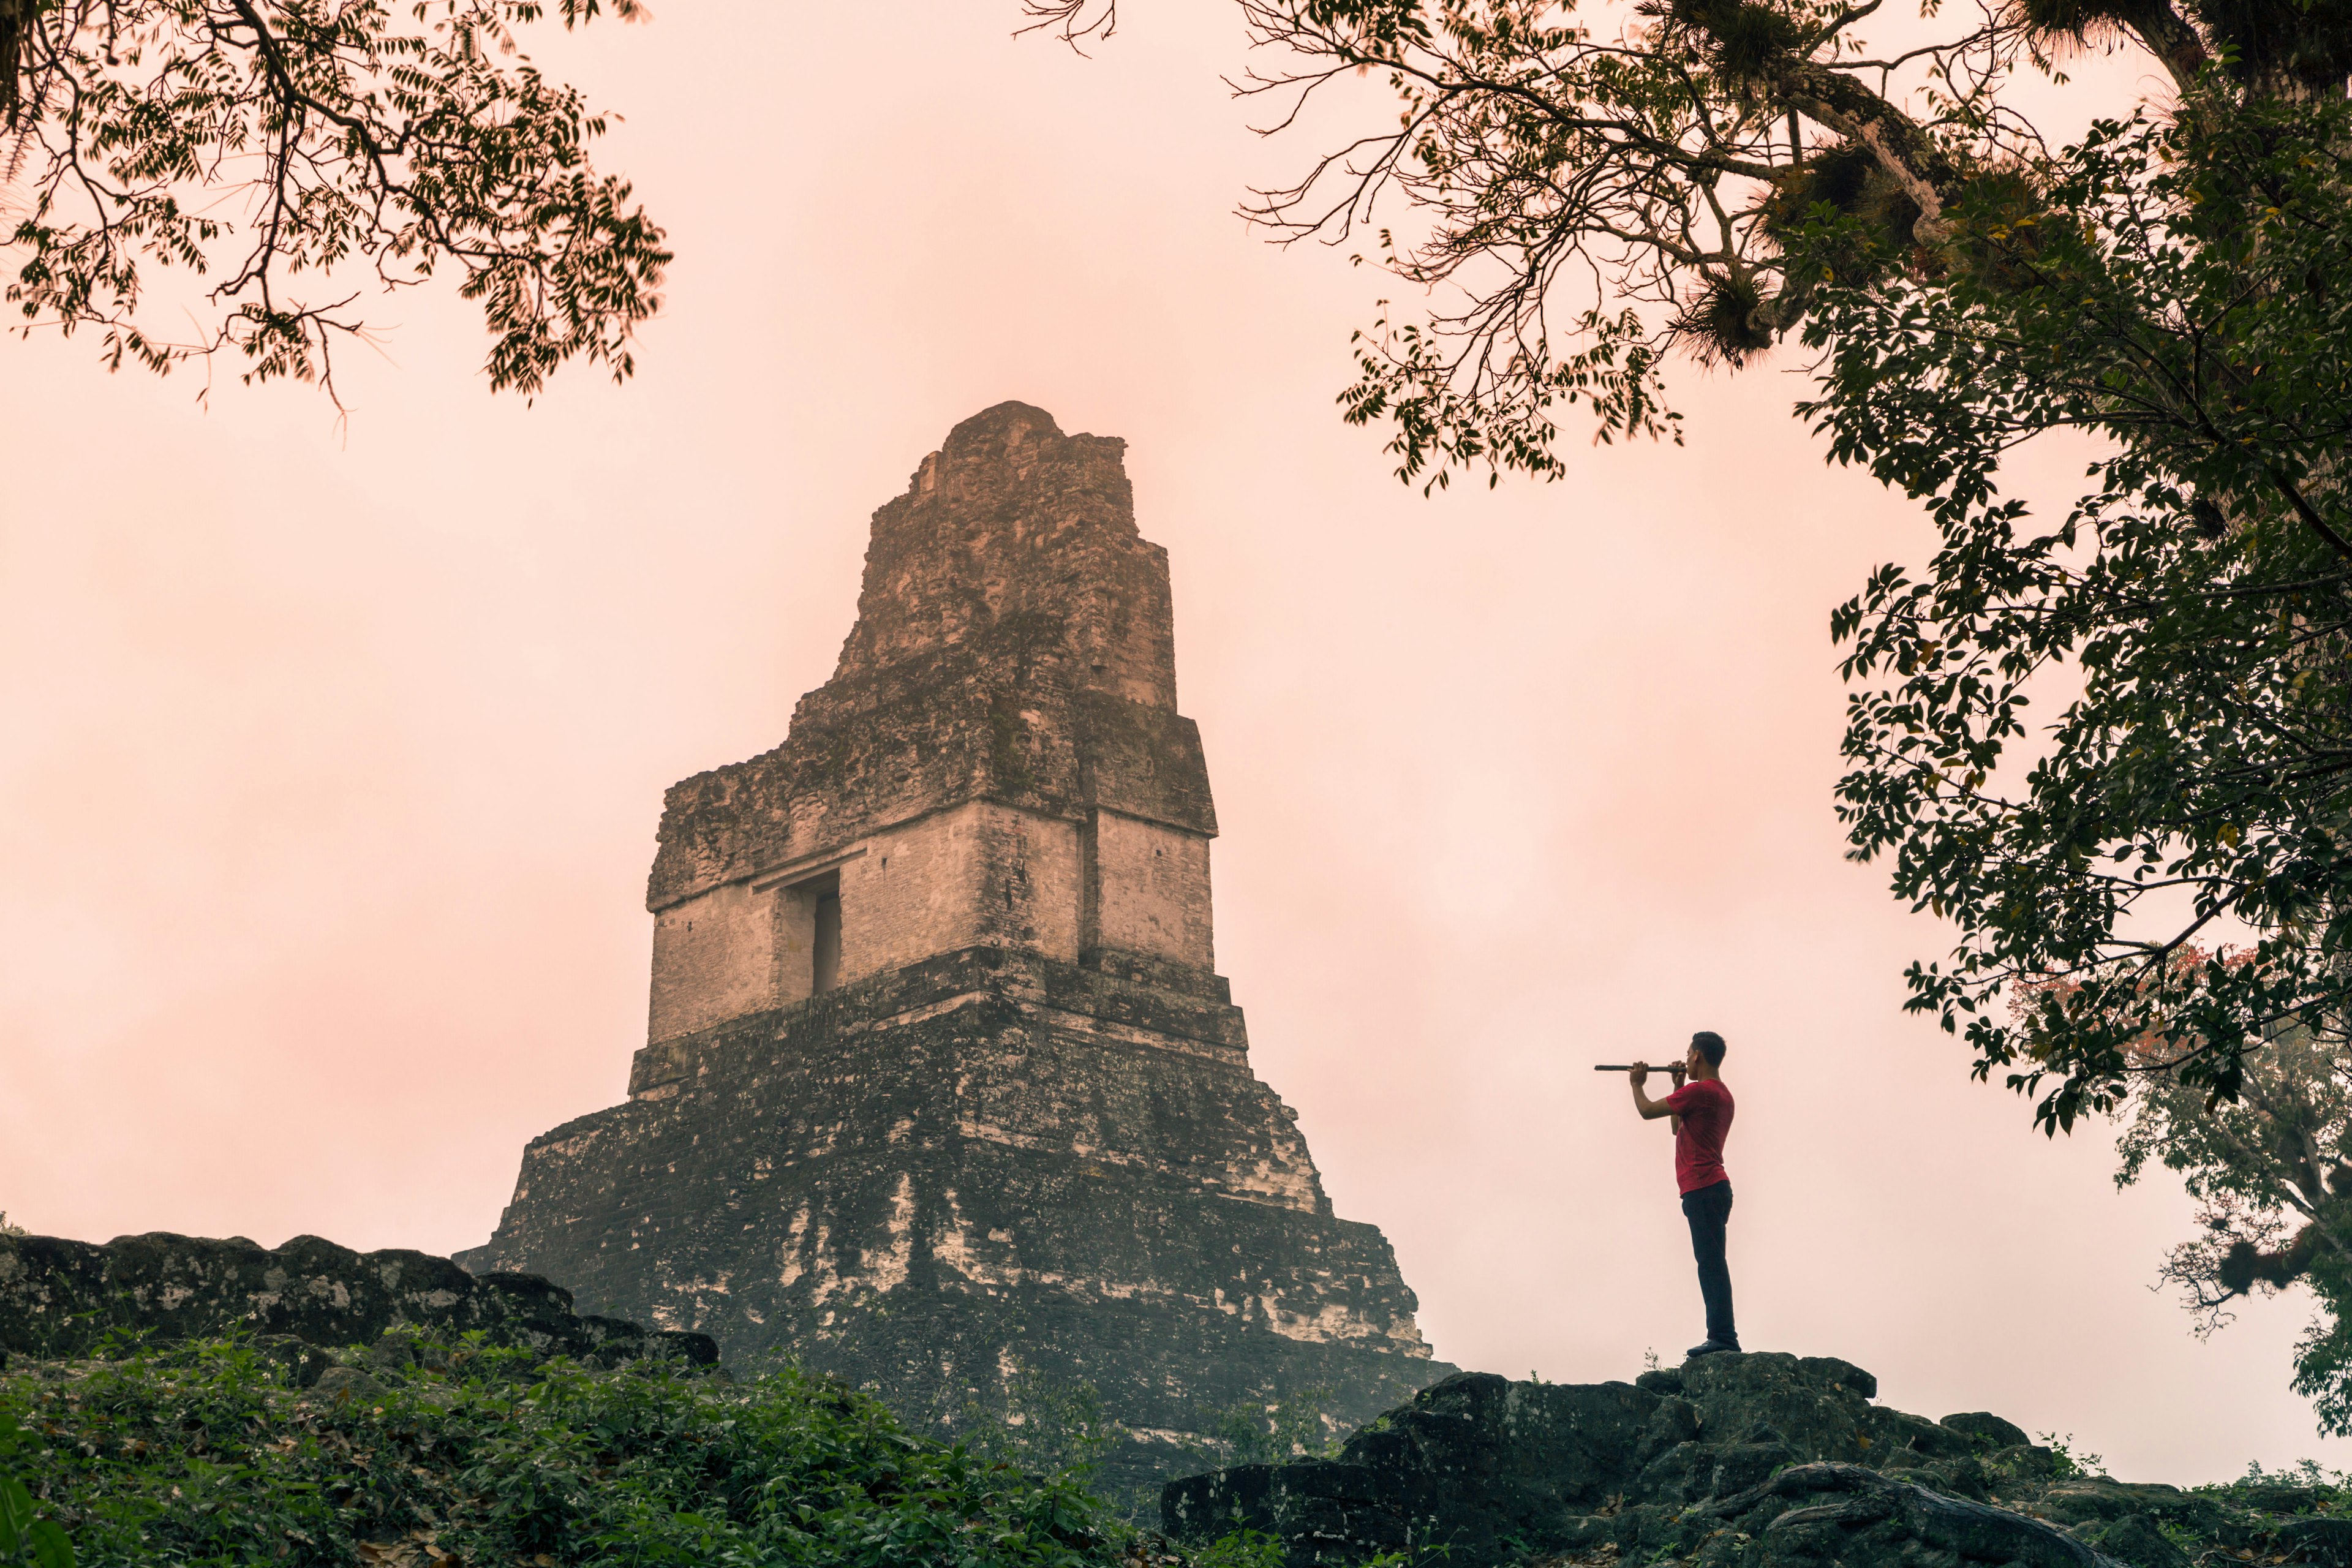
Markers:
1257,1432
422,1453
23,1534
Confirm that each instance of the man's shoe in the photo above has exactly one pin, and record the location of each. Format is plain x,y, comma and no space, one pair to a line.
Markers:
1712,1347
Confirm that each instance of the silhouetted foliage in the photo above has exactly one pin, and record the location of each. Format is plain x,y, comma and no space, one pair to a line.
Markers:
2271,1169
2161,871
294,154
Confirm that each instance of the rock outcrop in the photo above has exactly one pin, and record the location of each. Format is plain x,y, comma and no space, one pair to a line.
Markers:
940,1086
60,1299
1733,1461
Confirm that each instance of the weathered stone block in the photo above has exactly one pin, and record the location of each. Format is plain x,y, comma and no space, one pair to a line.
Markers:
1990,1430
2327,1542
1818,1407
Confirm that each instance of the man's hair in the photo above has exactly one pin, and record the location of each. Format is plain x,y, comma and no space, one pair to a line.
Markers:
1710,1045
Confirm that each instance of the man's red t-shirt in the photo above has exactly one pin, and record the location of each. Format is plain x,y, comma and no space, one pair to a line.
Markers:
1705,1106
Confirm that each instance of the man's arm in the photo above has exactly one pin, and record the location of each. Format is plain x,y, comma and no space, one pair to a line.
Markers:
1651,1109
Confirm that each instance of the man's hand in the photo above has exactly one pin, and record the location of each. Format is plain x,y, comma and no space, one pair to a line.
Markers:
1651,1109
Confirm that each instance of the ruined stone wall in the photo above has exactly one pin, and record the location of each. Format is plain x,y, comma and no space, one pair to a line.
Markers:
1020,888
1014,645
971,874
715,957
1012,518
1014,641
1150,891
61,1297
988,1161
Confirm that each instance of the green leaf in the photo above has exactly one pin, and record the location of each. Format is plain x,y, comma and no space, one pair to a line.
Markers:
50,1548
16,1513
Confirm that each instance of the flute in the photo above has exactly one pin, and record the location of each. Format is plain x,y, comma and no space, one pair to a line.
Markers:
1677,1069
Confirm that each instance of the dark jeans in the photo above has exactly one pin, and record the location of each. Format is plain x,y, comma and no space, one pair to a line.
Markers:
1709,1211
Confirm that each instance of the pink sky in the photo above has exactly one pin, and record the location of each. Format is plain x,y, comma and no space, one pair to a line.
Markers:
333,755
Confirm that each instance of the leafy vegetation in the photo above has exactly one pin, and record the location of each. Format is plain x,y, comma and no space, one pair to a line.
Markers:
294,154
422,1452
2179,292
2156,886
1252,1548
24,1536
1049,1427
2066,1463
1054,1426
2151,884
2272,1172
1275,1432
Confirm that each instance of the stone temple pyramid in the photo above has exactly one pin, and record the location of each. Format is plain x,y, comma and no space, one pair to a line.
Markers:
941,1084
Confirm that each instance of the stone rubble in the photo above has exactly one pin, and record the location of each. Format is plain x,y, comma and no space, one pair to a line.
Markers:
1757,1460
59,1299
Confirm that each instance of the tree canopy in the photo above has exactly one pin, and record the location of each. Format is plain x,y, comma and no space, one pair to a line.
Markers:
2269,1168
296,156
2149,888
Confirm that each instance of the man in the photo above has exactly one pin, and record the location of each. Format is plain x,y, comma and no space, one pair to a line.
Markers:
1701,1113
